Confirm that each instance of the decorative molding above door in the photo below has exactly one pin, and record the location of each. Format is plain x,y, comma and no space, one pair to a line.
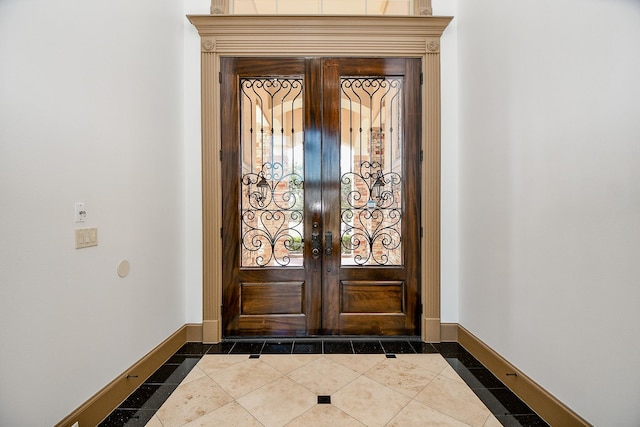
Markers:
289,35
420,7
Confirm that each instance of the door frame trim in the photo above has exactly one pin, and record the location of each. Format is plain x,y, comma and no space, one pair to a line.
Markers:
292,35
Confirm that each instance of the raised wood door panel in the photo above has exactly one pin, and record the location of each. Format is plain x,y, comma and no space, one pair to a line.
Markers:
353,226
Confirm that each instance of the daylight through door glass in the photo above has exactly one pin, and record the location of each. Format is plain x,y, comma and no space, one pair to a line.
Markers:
272,195
371,130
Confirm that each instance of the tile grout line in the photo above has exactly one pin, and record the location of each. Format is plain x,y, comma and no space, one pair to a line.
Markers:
411,398
446,350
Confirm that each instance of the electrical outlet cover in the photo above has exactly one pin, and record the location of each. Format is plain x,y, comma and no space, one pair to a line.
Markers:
80,212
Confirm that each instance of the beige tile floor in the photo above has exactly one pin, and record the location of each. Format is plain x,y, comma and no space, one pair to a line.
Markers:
282,390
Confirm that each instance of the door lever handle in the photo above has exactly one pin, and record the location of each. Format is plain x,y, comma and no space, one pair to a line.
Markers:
328,237
316,245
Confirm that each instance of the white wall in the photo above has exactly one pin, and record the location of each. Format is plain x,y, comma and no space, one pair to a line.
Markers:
193,161
550,200
90,110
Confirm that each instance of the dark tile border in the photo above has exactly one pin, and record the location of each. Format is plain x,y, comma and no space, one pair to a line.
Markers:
279,347
307,347
142,404
337,347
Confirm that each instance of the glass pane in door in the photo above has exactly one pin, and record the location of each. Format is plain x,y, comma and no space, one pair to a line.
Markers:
371,131
272,194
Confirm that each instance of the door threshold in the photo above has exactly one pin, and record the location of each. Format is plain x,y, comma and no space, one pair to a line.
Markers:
416,338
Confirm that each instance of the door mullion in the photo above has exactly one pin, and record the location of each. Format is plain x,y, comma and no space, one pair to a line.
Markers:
331,194
313,191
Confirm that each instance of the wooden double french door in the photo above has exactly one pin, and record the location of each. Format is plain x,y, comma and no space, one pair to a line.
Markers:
320,188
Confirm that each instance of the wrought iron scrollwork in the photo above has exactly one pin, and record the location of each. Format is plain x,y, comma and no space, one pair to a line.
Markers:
271,220
371,85
371,216
371,205
271,185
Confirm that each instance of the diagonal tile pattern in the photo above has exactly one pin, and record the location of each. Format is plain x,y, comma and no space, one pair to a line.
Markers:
279,402
191,401
370,402
243,378
268,384
225,390
455,399
323,376
401,376
325,416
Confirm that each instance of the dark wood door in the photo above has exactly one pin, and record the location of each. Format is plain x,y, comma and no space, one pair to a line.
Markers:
320,163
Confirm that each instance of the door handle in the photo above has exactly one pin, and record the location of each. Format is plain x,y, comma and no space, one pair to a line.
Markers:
328,244
316,244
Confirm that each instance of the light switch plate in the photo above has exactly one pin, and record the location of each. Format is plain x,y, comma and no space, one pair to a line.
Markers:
86,237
